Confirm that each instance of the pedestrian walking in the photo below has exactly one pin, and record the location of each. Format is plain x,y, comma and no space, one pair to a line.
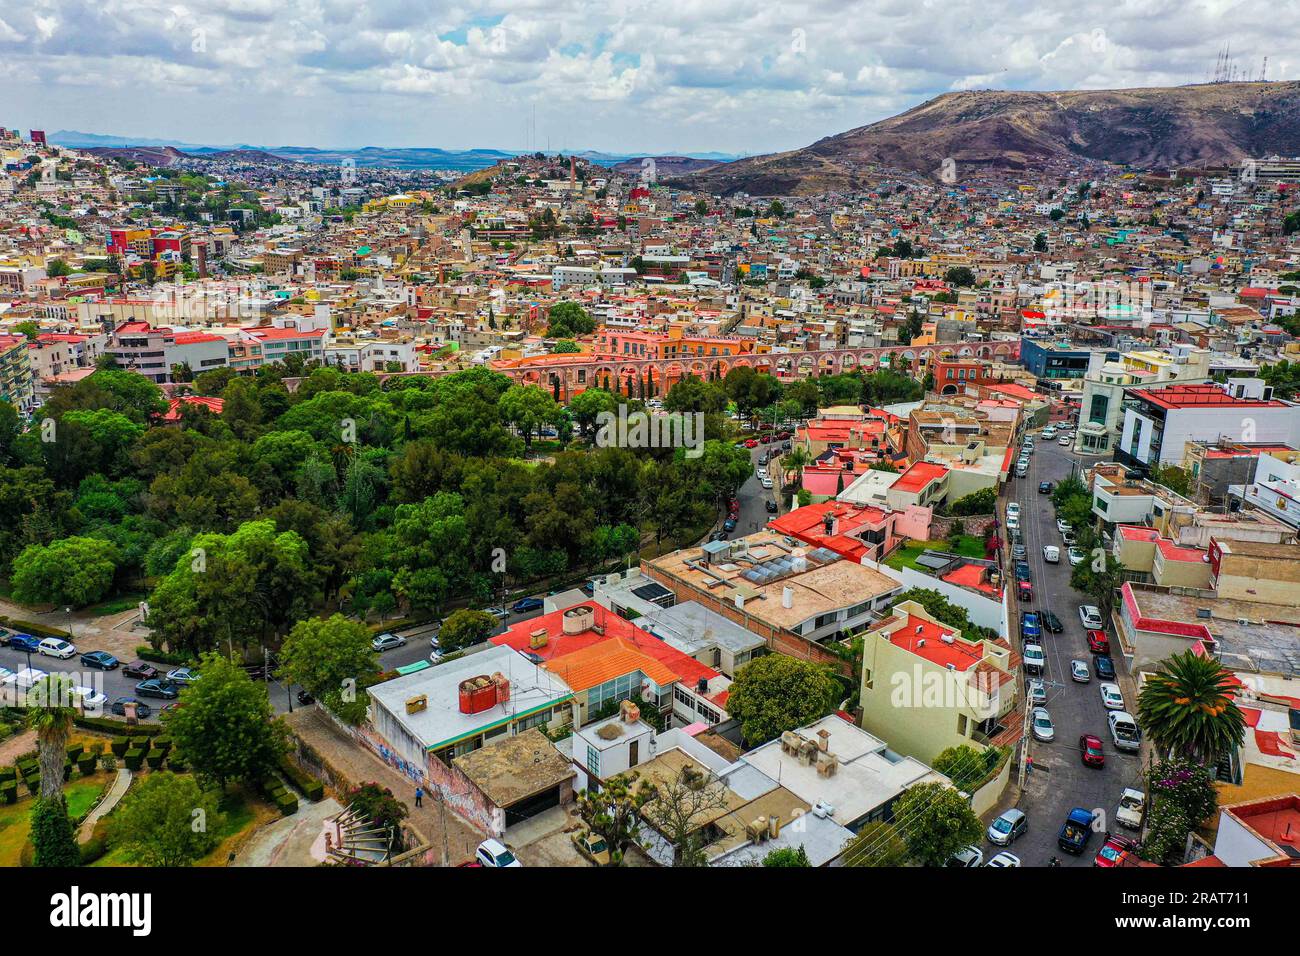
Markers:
419,796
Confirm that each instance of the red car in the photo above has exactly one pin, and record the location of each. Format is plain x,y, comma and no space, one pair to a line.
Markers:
1024,591
751,443
1116,851
1090,750
1097,642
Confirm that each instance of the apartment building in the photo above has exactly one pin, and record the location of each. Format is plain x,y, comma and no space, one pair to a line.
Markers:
1106,382
1275,489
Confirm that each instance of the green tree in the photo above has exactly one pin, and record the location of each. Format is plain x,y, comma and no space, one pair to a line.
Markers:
787,857
1182,796
333,659
614,811
1099,578
976,503
1188,709
776,693
465,628
528,408
678,808
877,844
568,320
961,276
966,766
587,407
225,729
52,838
166,820
936,821
71,571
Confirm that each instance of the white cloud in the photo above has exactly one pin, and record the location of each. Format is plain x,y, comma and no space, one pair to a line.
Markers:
623,75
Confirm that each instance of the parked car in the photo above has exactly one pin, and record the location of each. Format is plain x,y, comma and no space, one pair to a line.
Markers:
1079,672
1065,441
140,670
1045,487
1013,522
1019,552
1037,691
1062,526
494,853
24,643
157,687
718,535
1116,851
770,505
1051,554
766,482
1022,571
524,605
88,700
1049,432
1013,509
593,847
1004,861
1041,725
184,675
1076,831
1033,658
751,443
1051,622
1104,667
56,647
1090,751
1029,626
1069,540
1111,697
142,710
1024,592
27,678
386,642
100,660
1076,556
971,856
1131,804
1008,827
1091,617
763,459
1124,731
1098,643
729,525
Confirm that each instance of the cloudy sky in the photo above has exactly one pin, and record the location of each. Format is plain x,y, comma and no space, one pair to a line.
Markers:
619,75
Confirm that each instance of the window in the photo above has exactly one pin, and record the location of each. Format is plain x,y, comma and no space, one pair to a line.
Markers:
593,760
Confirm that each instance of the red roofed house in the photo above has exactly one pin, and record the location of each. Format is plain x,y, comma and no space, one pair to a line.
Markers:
607,659
923,484
926,688
1259,833
851,531
153,351
173,413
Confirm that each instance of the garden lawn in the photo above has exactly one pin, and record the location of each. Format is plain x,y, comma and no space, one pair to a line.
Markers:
15,821
969,546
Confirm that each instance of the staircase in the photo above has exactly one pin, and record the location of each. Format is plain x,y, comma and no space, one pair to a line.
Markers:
356,841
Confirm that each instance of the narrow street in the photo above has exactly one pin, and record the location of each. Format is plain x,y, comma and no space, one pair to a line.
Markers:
1059,781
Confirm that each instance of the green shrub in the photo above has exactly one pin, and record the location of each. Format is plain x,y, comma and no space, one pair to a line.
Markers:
163,743
28,627
311,788
155,758
33,784
287,803
74,751
9,791
146,653
86,764
8,773
115,727
134,757
28,767
120,745
176,764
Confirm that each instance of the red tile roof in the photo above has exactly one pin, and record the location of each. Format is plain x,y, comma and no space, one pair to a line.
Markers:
918,476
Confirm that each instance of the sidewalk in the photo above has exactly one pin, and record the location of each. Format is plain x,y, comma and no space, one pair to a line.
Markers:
359,765
121,783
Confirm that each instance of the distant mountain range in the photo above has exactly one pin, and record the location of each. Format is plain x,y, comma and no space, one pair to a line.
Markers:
164,152
1210,124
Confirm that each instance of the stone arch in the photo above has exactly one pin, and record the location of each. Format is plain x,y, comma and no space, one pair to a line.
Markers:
965,352
848,361
949,390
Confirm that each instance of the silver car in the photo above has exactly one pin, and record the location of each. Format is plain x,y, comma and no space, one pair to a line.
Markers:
1042,725
1008,827
1079,672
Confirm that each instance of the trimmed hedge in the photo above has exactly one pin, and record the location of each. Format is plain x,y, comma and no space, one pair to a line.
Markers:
147,653
28,627
75,751
8,773
120,745
163,743
33,784
87,763
311,788
287,803
9,791
155,758
134,757
118,728
97,845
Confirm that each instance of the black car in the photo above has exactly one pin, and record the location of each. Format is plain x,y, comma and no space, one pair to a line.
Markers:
141,670
1045,487
1022,571
141,709
1104,667
718,536
102,660
771,506
155,687
1051,622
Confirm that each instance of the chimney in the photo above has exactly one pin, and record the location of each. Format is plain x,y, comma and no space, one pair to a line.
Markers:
537,638
630,712
740,601
787,596
774,826
824,740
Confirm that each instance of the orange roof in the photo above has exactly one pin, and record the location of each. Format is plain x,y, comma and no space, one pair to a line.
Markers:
919,475
607,661
927,642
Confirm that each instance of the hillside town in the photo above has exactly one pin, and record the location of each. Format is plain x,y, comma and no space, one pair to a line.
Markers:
563,515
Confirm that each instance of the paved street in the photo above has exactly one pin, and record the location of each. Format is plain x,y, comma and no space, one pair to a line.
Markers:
1059,781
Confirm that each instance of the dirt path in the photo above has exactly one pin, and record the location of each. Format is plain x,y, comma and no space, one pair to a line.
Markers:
21,744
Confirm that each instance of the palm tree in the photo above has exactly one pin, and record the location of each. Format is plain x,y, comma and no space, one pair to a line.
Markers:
1188,709
795,460
51,717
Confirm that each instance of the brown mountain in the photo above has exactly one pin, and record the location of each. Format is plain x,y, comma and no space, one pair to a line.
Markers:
665,165
1210,124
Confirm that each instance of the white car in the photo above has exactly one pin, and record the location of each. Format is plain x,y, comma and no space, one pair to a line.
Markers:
89,700
56,647
1042,725
1090,617
1004,860
762,473
1013,522
1079,672
1033,658
495,853
1065,441
1049,432
1062,526
27,678
1013,508
1111,698
386,642
1077,556
1051,554
971,856
767,482
1037,690
1131,804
